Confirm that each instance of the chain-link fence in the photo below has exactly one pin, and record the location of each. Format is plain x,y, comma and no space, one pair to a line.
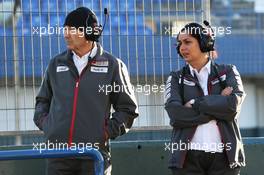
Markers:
140,32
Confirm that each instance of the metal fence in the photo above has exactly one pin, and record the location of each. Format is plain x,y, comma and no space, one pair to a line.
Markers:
34,153
140,32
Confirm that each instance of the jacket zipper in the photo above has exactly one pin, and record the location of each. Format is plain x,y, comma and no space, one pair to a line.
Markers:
222,139
191,136
75,99
76,91
209,85
209,92
185,152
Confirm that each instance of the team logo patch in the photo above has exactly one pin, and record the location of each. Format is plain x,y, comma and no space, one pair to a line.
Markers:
99,69
214,82
62,68
189,83
222,78
99,63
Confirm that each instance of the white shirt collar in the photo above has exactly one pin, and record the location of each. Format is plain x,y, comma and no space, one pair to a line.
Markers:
81,62
207,67
93,53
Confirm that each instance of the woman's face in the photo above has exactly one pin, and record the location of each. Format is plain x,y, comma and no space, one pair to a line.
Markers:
189,48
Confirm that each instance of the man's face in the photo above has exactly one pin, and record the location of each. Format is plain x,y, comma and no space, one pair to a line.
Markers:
74,38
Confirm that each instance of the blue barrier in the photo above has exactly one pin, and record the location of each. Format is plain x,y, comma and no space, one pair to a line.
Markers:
37,154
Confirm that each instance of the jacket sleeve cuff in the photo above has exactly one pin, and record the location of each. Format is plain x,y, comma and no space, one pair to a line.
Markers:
115,128
196,104
41,121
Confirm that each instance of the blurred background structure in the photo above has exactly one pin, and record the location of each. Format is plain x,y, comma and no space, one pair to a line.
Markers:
141,33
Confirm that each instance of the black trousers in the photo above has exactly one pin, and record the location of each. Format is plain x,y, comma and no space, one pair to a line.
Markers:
73,166
204,163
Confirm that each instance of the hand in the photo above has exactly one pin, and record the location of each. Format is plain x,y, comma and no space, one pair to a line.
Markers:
189,103
227,91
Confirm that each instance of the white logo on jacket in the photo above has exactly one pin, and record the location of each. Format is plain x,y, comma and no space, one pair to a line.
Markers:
99,69
187,82
62,68
222,78
100,63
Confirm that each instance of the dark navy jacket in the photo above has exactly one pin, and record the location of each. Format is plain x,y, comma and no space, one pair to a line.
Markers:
72,108
224,109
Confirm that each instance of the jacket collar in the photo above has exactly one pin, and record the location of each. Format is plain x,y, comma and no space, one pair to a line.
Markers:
67,58
69,54
212,73
207,67
88,55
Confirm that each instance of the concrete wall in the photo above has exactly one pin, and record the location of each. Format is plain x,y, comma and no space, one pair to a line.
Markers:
137,157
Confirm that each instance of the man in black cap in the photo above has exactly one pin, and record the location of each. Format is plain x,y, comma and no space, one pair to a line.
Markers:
73,104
